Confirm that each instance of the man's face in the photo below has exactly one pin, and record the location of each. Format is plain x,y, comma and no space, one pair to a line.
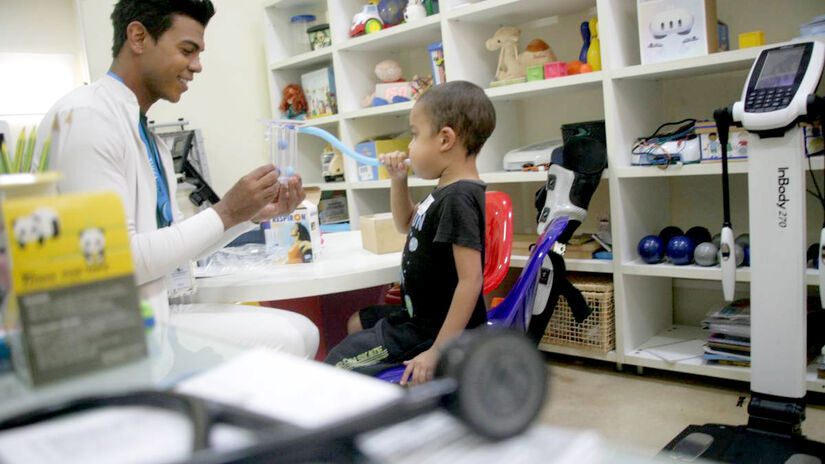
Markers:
168,65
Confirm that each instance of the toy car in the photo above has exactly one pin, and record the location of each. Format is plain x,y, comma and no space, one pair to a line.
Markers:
366,21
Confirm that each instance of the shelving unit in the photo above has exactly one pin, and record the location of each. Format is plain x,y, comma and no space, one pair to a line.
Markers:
652,302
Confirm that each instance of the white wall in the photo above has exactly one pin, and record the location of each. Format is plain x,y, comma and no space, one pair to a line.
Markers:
226,100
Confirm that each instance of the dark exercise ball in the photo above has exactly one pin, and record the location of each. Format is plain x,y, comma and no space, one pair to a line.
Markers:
699,234
669,232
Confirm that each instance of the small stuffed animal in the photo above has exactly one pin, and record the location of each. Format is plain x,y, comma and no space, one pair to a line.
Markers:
293,102
415,10
386,71
506,39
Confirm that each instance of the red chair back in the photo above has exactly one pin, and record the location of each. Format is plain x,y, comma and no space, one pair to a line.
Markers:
499,239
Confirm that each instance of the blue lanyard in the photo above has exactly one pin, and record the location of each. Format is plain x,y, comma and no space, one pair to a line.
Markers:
164,206
163,212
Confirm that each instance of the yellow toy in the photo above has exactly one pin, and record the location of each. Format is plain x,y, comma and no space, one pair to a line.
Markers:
594,52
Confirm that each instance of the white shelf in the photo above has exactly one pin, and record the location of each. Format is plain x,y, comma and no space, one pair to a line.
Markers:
324,121
692,271
592,80
395,109
516,12
501,177
408,35
679,349
304,60
676,170
689,271
699,169
603,266
286,4
513,177
385,184
328,186
709,64
610,356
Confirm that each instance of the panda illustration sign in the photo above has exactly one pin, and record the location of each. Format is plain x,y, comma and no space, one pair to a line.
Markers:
41,225
72,296
93,244
66,240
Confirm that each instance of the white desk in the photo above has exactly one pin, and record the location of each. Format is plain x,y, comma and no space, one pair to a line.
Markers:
342,266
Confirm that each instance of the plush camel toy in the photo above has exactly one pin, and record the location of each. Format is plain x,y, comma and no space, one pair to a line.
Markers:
511,63
506,40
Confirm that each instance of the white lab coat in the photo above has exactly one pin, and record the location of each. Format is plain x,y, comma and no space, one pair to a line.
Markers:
96,144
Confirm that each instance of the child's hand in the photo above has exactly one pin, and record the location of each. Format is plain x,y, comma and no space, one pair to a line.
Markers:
421,368
394,162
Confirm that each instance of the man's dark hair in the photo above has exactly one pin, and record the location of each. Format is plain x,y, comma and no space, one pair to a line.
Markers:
465,108
156,16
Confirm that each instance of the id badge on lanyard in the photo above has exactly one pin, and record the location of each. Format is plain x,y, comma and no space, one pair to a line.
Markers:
181,281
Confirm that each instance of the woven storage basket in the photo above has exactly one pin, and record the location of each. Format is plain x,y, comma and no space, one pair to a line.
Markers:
598,331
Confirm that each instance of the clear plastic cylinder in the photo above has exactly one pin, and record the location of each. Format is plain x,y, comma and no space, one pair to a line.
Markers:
298,30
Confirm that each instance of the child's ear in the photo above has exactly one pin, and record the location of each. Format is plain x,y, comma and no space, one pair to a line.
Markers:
447,138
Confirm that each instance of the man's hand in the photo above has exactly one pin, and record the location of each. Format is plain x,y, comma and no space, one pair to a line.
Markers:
289,197
421,368
248,196
394,162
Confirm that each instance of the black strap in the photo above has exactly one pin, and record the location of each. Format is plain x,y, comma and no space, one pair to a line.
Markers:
561,286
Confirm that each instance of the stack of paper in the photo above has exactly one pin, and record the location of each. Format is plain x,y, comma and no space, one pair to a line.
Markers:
730,339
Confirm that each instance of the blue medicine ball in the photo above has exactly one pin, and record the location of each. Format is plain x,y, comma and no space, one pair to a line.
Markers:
680,250
651,249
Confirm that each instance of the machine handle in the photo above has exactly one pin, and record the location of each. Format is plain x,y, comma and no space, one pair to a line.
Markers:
727,260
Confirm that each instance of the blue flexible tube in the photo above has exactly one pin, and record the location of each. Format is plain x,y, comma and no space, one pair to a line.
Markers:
340,146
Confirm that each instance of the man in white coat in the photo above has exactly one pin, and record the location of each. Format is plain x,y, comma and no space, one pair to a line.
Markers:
100,141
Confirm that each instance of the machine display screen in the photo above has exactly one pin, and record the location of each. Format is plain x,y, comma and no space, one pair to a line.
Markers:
780,68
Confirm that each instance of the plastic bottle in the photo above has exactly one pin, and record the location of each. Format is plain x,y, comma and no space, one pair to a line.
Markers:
298,28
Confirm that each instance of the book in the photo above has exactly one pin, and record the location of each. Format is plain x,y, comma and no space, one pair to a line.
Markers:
319,90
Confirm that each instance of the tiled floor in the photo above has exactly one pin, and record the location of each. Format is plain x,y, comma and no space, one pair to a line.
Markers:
644,412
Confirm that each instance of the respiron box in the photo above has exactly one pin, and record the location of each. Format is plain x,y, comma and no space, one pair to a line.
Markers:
69,296
674,29
296,237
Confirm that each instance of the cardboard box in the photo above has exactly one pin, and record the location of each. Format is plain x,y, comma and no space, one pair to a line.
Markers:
675,29
375,148
296,238
72,305
378,234
739,140
710,148
319,89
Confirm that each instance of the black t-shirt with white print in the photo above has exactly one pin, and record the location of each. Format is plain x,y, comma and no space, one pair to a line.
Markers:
453,214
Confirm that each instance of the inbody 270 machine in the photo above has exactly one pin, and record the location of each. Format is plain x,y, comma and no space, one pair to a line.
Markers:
779,94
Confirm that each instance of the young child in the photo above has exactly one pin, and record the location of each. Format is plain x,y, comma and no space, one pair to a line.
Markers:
442,264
